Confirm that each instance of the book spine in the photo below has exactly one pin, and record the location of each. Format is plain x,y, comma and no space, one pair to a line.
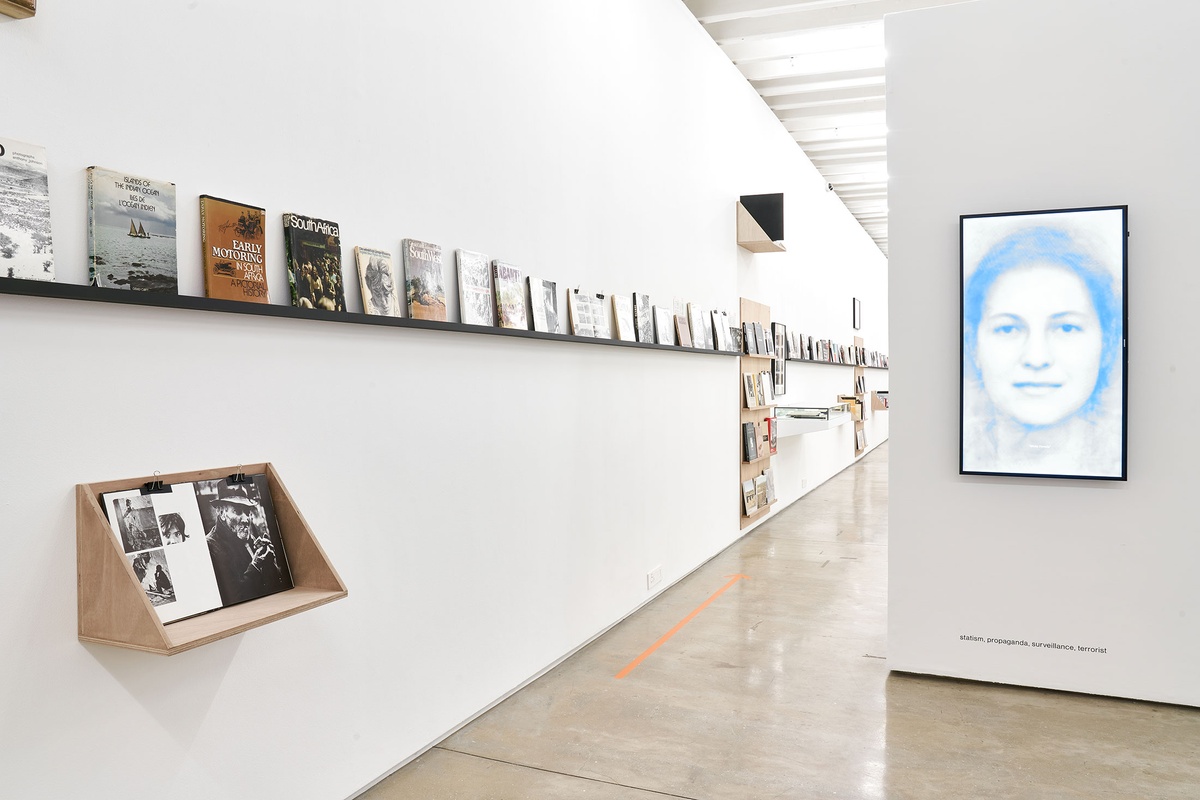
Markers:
204,262
287,254
93,273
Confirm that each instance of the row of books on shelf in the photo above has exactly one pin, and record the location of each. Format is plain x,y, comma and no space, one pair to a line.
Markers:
131,230
858,409
860,384
758,492
779,342
759,389
759,439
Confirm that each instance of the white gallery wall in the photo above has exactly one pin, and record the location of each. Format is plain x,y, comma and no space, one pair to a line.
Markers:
1011,105
491,503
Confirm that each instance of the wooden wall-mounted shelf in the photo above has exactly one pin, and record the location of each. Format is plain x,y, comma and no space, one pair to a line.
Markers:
21,9
70,291
753,312
114,610
752,237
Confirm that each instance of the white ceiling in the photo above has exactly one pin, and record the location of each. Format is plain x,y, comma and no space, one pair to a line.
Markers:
819,65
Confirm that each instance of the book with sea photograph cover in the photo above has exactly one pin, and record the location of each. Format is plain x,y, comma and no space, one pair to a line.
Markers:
314,262
377,279
26,247
475,303
195,547
131,232
233,239
510,296
424,283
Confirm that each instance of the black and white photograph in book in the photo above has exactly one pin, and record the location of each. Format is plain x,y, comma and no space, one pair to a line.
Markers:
151,569
136,521
243,538
1043,343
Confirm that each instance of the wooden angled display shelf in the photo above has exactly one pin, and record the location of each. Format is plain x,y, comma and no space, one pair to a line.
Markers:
752,237
860,431
18,8
114,610
753,312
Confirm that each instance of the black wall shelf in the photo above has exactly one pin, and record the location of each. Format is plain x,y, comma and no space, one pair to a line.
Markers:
831,363
92,294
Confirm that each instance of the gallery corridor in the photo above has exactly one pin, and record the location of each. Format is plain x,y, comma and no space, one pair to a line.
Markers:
779,688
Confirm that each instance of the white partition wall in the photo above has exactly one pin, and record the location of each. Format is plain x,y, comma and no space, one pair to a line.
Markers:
1011,105
491,503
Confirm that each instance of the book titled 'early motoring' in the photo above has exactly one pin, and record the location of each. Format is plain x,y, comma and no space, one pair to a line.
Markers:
314,262
26,249
423,281
131,232
233,240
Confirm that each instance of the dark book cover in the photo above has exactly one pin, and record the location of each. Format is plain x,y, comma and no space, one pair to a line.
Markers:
749,441
314,261
233,239
643,318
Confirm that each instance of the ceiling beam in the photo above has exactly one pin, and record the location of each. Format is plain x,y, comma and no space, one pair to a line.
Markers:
717,10
824,97
829,80
793,22
851,108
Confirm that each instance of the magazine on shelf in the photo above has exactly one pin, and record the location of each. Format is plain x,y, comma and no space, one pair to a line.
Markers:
476,305
543,305
26,246
314,262
510,296
664,326
748,384
683,331
760,492
749,498
196,547
424,281
622,308
586,312
749,442
131,232
643,318
377,279
233,242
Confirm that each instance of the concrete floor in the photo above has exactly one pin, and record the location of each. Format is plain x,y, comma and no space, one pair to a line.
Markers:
779,689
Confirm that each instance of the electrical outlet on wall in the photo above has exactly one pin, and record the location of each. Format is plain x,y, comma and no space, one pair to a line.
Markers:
654,577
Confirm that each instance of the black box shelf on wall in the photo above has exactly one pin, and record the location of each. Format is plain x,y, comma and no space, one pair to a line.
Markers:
760,223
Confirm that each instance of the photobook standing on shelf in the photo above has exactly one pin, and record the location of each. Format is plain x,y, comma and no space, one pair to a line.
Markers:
664,327
748,385
643,318
749,442
196,547
586,313
131,232
314,261
476,298
543,305
683,331
622,307
26,246
424,283
233,241
510,296
377,277
749,498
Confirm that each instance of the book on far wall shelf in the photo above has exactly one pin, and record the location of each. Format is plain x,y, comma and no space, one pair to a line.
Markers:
233,241
196,547
377,279
424,282
748,385
643,318
760,492
510,296
476,304
749,497
314,262
683,331
131,232
749,442
664,326
622,309
584,312
604,320
543,305
769,474
26,245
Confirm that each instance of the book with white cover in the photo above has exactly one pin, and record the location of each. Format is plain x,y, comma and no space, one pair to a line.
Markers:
664,325
622,305
475,303
26,248
543,305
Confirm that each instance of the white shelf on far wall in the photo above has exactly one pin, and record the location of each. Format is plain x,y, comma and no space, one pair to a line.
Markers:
791,426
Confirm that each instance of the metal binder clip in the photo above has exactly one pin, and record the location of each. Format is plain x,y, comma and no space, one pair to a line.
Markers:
155,486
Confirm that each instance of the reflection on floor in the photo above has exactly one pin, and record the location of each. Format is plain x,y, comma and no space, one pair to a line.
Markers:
779,689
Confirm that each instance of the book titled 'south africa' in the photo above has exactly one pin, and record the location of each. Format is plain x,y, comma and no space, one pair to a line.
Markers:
131,232
233,240
423,280
26,249
314,262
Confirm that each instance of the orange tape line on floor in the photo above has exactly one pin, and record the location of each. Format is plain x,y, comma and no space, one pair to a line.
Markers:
633,664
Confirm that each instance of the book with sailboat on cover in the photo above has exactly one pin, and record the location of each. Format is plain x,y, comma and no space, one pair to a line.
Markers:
131,232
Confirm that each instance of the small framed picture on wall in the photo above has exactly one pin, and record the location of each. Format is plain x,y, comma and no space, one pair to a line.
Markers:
857,311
